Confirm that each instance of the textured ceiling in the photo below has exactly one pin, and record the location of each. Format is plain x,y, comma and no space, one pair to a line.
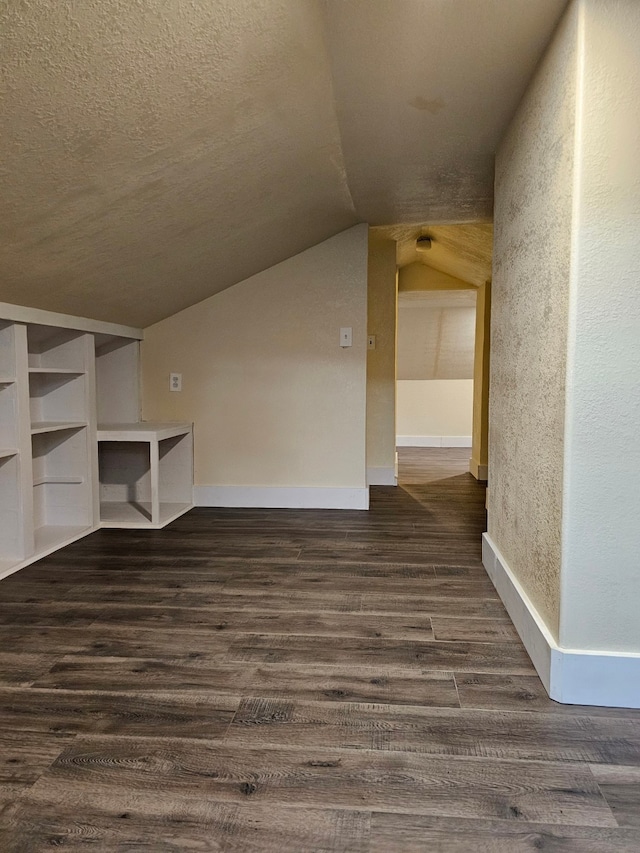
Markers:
463,251
157,151
425,90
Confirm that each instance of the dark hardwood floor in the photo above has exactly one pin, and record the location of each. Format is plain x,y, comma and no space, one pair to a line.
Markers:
297,681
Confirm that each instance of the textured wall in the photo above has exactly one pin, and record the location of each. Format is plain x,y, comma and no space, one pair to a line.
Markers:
381,362
601,555
533,212
275,400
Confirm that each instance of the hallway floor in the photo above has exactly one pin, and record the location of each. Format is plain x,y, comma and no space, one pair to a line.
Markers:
275,680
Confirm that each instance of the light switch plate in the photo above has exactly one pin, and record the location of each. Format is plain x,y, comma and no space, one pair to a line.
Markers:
346,336
371,342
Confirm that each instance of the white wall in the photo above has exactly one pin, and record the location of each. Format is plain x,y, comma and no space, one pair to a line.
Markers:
276,402
601,509
434,409
564,539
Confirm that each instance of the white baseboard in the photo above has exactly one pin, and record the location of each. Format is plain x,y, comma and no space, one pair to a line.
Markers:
382,476
433,441
528,623
480,472
281,497
570,676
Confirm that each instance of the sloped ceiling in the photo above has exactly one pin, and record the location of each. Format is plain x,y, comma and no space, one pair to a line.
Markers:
425,90
463,251
158,151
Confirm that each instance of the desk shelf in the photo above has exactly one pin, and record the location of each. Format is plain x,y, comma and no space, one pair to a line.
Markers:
145,473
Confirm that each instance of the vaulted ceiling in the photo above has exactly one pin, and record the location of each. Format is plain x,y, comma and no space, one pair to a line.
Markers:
155,152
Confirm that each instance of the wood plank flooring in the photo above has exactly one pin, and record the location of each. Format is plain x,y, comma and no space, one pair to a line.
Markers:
276,680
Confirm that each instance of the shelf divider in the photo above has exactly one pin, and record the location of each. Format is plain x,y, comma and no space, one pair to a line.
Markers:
39,427
58,481
56,371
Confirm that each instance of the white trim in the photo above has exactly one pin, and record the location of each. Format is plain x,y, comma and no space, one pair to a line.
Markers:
282,497
7,569
480,472
570,676
24,314
382,476
528,622
433,441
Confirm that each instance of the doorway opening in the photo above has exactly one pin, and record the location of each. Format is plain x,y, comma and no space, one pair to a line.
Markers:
434,379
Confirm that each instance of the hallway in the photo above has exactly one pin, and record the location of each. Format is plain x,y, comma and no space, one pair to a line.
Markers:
280,680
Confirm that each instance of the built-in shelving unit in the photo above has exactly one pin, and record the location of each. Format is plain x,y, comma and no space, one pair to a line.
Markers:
60,405
59,375
146,476
38,427
15,493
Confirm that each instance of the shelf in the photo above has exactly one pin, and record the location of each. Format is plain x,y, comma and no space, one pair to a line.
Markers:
53,426
128,514
143,431
50,537
6,380
60,481
8,567
8,452
59,371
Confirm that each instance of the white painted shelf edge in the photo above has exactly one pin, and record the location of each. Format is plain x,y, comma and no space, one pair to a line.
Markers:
58,481
143,431
47,540
119,514
56,371
7,452
53,426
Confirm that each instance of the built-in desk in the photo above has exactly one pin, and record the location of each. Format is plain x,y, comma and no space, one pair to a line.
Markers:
145,473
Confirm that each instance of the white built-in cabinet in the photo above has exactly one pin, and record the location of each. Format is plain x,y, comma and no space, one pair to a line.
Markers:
74,455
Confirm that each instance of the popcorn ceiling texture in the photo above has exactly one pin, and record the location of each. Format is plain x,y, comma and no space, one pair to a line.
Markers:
534,187
425,90
155,152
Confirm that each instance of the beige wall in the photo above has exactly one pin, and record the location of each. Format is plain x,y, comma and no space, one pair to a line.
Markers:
381,362
532,250
274,398
478,464
418,276
438,408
